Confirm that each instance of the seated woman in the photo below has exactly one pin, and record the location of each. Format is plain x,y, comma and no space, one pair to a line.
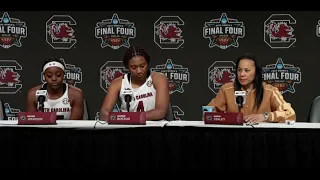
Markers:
66,100
150,90
264,102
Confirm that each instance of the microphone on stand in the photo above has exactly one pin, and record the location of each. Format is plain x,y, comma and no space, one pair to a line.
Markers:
42,96
127,97
240,99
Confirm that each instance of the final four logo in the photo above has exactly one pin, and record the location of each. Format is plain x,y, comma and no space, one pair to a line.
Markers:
115,32
223,32
11,31
12,113
177,75
283,76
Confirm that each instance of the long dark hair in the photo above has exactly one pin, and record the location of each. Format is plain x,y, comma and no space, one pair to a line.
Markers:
257,82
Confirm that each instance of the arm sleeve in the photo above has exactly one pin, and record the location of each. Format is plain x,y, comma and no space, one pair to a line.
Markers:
281,110
219,102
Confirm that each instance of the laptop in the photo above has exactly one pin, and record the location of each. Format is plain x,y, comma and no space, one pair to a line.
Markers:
130,118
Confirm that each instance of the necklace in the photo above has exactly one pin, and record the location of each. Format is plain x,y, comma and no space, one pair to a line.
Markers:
247,91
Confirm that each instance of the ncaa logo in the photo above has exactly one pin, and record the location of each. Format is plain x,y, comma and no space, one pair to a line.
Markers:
278,31
60,32
167,32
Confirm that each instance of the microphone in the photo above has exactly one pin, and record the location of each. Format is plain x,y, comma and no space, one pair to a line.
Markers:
42,96
240,98
128,97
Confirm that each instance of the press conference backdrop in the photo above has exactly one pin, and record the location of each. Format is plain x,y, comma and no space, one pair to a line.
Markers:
196,50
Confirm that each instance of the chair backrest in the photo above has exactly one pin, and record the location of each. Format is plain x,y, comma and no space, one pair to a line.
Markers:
170,115
86,115
314,113
3,115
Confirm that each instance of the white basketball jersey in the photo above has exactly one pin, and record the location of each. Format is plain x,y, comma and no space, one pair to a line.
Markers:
144,97
61,105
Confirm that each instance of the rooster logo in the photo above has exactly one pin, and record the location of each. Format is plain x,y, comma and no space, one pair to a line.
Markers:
279,30
222,76
109,74
8,77
220,73
169,32
61,31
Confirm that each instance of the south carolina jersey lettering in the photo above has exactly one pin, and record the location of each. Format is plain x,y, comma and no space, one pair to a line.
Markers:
144,97
61,105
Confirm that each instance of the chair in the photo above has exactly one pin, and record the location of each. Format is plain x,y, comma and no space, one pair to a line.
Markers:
170,115
3,115
314,112
86,114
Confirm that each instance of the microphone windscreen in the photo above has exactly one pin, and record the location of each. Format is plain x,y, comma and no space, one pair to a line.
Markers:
239,99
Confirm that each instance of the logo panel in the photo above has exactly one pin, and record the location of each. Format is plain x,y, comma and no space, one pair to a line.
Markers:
219,73
115,33
72,75
178,113
283,76
278,31
223,32
167,32
176,74
11,31
10,82
115,109
318,29
60,32
11,113
109,71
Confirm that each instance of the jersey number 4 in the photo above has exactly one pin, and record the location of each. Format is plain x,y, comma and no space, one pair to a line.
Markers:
140,107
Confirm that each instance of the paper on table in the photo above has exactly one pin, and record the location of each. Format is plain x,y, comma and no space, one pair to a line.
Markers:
104,125
7,122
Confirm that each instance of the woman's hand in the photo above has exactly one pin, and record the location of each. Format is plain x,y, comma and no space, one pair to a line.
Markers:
254,118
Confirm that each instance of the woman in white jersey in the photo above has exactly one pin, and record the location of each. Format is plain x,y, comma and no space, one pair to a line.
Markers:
64,99
149,90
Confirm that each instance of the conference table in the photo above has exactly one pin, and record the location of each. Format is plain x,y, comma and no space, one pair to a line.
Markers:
160,145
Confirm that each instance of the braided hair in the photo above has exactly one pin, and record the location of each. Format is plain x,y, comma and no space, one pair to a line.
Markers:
134,51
